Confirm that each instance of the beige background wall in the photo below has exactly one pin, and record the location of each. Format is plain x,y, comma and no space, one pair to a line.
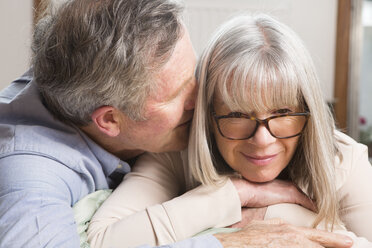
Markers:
365,92
15,30
314,21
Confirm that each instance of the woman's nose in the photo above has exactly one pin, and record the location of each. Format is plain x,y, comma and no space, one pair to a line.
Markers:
263,137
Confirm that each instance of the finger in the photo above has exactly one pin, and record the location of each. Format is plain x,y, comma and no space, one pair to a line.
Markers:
327,239
307,202
304,200
311,244
274,221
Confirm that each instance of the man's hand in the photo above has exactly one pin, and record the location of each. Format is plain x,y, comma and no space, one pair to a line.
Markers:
274,192
274,233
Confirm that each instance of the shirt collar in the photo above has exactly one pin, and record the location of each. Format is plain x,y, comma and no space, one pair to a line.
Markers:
108,161
27,76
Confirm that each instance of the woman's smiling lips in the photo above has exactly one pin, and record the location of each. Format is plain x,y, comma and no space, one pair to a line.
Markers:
260,160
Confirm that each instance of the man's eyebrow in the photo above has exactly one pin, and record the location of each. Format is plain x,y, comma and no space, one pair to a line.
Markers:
180,89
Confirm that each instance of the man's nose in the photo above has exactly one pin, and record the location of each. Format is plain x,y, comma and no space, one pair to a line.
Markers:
191,98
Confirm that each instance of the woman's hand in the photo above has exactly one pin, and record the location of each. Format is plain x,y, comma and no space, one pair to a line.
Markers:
256,195
249,215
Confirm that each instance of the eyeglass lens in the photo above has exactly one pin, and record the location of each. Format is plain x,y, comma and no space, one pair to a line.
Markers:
280,127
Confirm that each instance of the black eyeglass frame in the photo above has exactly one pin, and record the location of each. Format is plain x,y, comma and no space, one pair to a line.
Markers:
259,122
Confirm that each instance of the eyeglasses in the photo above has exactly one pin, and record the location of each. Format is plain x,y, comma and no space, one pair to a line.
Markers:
239,126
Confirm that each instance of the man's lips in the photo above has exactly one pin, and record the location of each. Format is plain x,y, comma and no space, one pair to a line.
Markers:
260,160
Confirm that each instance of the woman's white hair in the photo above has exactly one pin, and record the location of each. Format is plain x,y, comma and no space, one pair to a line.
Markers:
258,64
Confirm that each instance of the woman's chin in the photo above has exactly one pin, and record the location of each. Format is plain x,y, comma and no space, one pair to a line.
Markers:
259,179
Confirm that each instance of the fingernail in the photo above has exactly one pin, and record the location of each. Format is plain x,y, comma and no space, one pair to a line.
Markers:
348,242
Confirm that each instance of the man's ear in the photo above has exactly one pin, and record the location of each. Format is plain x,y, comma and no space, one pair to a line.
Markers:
107,120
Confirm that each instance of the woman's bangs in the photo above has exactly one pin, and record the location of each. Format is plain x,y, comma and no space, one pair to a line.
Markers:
260,87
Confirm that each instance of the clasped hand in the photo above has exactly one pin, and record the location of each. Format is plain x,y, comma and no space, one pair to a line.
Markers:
255,198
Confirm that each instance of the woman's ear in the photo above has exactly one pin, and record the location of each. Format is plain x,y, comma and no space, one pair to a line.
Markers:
107,120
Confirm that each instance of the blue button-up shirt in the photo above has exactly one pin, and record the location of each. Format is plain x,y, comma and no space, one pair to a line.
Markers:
46,166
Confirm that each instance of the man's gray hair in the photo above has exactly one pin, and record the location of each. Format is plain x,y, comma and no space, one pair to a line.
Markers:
103,53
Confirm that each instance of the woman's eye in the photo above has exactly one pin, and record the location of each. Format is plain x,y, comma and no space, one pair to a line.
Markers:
282,111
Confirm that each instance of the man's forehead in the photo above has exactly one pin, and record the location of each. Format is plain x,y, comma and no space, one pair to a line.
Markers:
170,88
176,74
